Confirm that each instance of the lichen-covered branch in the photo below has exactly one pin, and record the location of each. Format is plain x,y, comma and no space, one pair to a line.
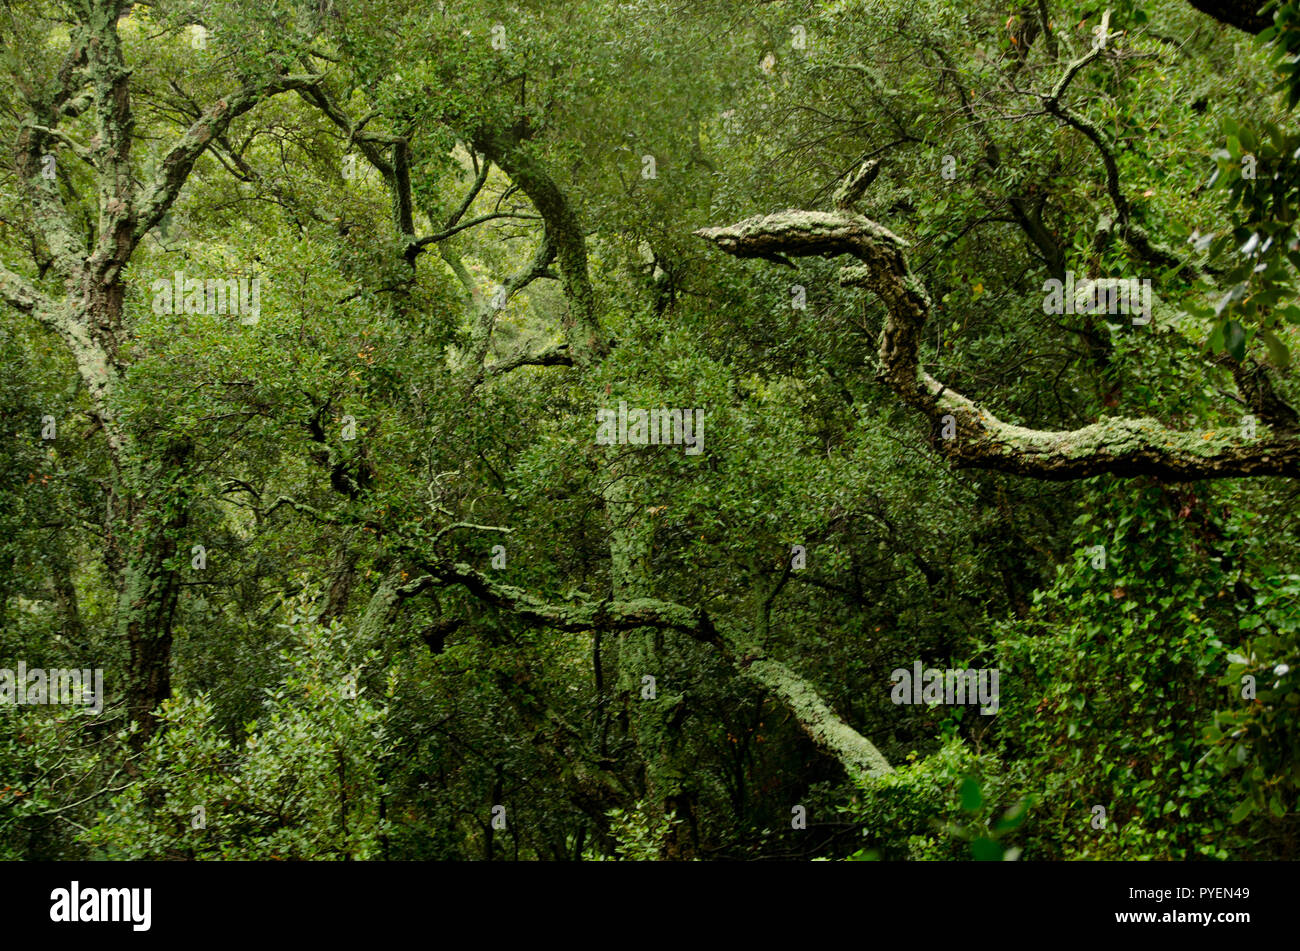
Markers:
1119,446
177,164
556,356
577,615
17,292
513,155
859,756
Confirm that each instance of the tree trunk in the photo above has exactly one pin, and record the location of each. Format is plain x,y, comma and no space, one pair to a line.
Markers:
149,589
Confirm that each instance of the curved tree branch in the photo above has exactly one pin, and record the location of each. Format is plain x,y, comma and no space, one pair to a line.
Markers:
858,755
1118,446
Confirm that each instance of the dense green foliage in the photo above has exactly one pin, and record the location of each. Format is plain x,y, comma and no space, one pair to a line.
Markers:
473,228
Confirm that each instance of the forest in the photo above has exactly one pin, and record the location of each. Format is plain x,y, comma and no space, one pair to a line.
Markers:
674,430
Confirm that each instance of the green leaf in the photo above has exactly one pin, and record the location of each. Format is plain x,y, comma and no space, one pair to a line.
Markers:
1013,818
971,797
1234,339
1277,350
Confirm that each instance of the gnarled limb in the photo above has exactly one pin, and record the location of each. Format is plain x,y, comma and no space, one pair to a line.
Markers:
556,356
486,311
1120,446
512,154
176,165
858,755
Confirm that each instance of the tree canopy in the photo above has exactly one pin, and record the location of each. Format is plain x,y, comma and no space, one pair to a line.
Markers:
587,430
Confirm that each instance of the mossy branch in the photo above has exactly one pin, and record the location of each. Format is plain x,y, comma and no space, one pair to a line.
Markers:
1118,446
